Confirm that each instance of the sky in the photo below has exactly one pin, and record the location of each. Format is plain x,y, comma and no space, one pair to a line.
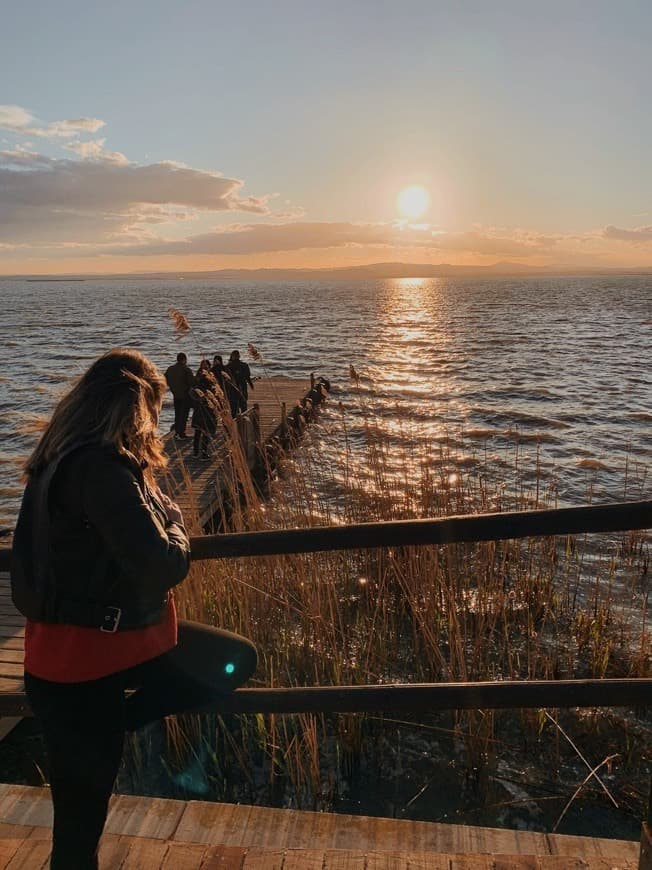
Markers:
153,135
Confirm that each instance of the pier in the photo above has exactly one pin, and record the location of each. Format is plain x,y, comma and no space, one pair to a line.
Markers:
279,410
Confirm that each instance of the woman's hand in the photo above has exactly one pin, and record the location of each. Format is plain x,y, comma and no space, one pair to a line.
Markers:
172,509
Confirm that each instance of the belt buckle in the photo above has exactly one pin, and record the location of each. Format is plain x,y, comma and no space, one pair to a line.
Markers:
111,620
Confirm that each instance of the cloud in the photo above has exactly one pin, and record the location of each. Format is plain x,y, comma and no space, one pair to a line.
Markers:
106,185
45,200
289,213
239,239
639,235
93,149
72,127
20,120
14,118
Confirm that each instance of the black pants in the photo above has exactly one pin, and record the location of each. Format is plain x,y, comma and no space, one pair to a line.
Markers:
181,411
84,725
203,439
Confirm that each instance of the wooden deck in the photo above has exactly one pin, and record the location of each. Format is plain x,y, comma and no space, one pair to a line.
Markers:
196,485
152,833
12,639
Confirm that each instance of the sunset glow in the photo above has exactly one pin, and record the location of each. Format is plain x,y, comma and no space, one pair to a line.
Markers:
439,157
413,202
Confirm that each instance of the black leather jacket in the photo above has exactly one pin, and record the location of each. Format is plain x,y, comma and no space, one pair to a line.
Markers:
93,545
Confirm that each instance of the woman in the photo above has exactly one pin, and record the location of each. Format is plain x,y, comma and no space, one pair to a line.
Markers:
97,551
218,368
205,409
240,375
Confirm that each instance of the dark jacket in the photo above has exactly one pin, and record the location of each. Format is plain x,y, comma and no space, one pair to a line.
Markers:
218,370
240,375
93,545
205,406
180,379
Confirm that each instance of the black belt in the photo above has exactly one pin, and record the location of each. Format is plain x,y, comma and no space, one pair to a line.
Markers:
109,618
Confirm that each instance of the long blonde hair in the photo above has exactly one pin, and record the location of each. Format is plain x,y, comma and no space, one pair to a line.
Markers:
115,403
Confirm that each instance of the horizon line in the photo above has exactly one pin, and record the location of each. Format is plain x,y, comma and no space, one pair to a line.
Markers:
499,267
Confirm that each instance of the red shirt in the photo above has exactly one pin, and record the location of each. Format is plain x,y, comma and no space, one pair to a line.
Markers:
72,654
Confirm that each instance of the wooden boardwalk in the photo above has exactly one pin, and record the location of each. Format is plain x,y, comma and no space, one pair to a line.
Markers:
198,486
12,640
153,833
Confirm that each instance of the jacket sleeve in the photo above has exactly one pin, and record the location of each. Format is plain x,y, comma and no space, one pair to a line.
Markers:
153,555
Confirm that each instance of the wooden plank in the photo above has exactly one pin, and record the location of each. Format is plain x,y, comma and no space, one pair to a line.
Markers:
427,861
155,818
25,805
183,856
593,847
10,842
304,859
223,858
11,631
31,855
113,850
12,642
507,862
11,655
144,852
263,859
11,669
10,685
387,861
202,822
12,619
474,862
341,859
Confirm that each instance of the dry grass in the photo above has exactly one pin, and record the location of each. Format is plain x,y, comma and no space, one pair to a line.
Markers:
529,609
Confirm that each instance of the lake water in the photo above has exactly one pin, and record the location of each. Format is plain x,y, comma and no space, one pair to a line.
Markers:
557,369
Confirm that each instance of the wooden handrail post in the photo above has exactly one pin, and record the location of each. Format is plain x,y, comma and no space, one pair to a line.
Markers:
312,380
284,418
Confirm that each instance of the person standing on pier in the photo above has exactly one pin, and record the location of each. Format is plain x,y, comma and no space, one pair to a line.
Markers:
97,550
180,380
206,409
240,374
218,368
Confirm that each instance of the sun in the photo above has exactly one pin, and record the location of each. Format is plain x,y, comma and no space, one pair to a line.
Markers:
413,201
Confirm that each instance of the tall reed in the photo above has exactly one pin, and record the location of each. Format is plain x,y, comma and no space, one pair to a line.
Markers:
523,609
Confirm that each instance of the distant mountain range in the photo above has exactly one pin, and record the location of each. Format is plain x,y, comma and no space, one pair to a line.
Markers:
370,271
